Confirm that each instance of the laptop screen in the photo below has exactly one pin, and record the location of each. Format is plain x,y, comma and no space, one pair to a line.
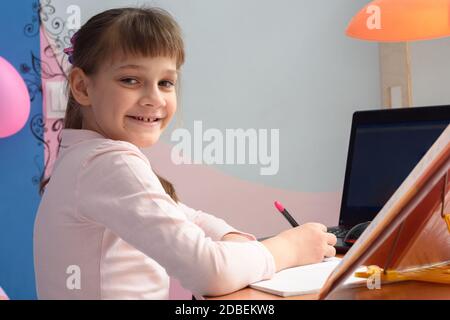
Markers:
385,146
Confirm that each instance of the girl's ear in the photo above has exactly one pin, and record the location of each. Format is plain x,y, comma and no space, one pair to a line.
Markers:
78,86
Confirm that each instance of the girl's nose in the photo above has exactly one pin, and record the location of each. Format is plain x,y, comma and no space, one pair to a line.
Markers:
152,97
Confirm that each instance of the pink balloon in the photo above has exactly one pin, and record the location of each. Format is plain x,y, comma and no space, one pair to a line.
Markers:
14,100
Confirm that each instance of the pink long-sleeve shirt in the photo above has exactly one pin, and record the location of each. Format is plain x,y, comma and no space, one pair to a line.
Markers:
106,229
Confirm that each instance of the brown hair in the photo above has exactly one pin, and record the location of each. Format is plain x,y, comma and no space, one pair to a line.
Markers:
137,31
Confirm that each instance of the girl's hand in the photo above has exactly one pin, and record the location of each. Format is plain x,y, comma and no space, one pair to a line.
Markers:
305,244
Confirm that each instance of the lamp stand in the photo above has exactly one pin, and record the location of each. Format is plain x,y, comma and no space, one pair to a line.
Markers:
395,71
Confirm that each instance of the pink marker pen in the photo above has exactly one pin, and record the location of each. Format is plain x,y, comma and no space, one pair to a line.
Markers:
286,214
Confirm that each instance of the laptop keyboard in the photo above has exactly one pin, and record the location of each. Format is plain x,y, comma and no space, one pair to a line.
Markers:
339,232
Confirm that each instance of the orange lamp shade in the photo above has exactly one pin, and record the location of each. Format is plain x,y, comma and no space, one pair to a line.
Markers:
401,20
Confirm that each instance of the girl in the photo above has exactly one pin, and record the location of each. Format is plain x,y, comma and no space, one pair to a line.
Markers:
107,226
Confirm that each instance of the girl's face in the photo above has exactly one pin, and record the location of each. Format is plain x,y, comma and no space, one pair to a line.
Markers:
132,100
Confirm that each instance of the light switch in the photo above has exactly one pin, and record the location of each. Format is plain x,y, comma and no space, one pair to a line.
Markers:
396,97
55,99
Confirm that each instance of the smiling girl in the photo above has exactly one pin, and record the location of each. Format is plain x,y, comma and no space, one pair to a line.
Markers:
108,227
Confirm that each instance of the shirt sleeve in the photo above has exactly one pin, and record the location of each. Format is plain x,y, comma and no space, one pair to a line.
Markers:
118,189
213,227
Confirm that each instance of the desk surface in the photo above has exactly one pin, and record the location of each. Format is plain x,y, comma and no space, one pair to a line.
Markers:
394,291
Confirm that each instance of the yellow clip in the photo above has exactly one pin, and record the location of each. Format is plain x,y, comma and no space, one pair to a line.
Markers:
389,275
447,220
436,274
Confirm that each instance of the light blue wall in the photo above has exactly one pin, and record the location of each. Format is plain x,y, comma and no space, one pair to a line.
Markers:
430,72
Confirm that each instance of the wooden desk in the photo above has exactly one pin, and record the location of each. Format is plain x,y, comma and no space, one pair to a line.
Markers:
395,291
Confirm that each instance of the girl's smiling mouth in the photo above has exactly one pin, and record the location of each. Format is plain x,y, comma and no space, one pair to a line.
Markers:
146,121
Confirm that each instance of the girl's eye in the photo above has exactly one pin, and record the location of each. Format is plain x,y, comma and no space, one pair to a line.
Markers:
166,84
129,81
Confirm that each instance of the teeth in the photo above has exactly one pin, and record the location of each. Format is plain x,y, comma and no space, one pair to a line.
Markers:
145,119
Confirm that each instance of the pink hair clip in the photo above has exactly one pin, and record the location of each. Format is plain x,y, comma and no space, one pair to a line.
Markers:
69,51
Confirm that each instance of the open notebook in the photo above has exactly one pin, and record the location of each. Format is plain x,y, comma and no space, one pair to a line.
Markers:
302,280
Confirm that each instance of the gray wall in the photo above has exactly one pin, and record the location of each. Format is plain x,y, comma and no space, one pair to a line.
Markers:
286,65
430,72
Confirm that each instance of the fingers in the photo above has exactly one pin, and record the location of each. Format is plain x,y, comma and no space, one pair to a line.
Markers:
319,226
330,252
331,239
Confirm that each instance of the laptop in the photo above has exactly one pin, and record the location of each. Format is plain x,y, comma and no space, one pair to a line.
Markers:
385,146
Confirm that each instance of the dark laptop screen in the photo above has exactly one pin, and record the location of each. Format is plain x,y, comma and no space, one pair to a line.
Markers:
385,146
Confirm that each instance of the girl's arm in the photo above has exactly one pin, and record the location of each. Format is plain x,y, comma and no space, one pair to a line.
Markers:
214,227
235,236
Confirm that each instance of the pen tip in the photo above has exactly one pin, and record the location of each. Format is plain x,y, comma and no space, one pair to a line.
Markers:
279,206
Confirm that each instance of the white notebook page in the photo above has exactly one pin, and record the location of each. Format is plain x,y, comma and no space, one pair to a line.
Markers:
302,280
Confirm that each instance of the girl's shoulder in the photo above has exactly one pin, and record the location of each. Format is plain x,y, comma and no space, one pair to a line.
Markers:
105,145
107,150
119,145
118,162
87,142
